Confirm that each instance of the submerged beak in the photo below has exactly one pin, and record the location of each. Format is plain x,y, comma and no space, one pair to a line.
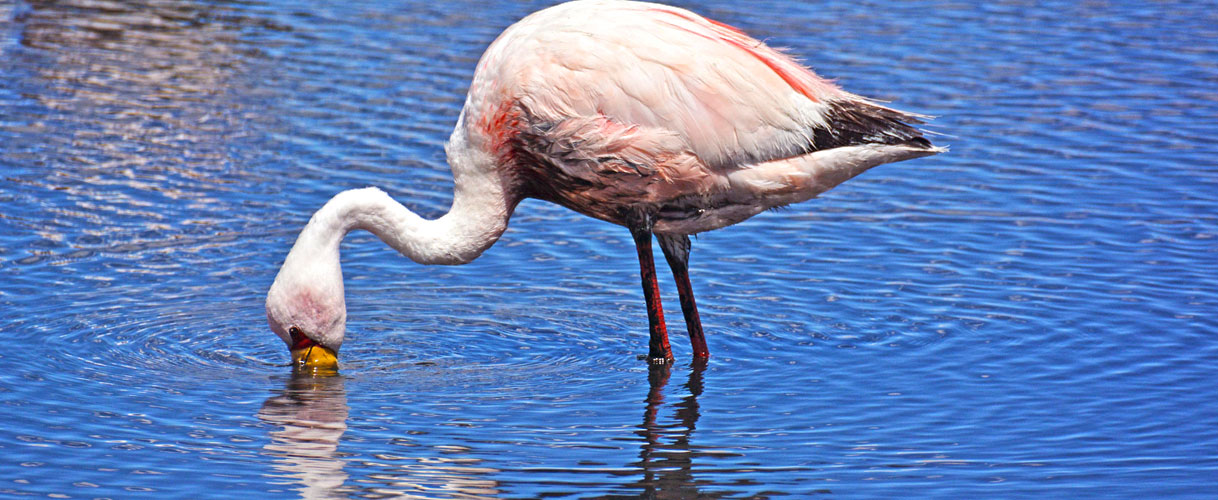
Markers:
316,358
310,356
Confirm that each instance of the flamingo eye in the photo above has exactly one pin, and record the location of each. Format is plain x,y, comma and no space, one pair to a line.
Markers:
298,339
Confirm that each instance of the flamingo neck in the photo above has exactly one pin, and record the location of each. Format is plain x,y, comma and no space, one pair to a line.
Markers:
481,207
477,218
308,290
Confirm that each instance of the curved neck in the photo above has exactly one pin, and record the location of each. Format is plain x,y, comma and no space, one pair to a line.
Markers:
479,215
308,291
482,205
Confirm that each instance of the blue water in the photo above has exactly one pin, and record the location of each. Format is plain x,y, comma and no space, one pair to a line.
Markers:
1028,316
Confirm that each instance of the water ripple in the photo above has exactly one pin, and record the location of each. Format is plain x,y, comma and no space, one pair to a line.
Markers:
1027,316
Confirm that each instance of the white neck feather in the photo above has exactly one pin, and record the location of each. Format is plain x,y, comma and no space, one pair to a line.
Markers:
479,215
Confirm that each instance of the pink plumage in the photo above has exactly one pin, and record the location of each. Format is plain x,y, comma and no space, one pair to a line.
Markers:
579,93
643,115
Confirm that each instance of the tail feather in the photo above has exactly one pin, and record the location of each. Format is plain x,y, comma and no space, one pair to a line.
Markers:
856,122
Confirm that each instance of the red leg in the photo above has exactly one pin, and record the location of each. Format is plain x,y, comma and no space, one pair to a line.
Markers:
676,252
658,349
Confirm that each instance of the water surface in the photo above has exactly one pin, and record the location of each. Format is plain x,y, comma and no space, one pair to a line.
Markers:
1030,315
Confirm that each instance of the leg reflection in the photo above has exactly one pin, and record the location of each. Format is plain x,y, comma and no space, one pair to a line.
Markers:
667,454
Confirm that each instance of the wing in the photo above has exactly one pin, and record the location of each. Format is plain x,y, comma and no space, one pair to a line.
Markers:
606,169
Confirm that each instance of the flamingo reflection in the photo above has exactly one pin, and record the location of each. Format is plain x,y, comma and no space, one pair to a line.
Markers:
311,413
667,455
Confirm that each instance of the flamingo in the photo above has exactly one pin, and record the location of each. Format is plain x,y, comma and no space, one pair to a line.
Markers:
644,115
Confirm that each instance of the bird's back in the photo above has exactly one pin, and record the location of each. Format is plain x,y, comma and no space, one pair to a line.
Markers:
616,107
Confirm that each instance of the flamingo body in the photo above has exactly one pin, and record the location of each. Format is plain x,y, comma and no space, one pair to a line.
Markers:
643,115
611,108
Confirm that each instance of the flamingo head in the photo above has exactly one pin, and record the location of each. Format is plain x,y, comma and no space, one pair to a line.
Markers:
305,308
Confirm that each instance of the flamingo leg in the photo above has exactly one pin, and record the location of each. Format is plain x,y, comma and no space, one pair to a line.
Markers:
659,350
676,252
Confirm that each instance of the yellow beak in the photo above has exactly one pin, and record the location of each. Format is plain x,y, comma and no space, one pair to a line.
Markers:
316,359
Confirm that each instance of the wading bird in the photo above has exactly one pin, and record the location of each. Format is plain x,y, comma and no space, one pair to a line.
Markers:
644,115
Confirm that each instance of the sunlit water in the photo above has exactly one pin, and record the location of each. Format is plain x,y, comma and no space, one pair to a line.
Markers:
1030,315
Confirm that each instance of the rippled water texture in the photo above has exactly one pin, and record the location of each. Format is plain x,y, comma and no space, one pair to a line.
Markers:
1030,315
